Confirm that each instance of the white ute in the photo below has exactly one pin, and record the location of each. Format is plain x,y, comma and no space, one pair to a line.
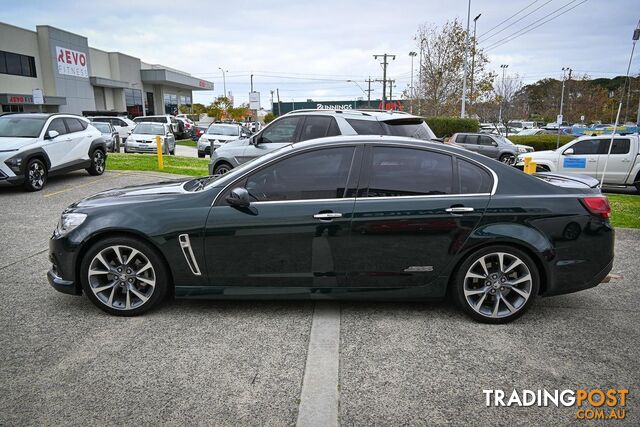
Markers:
587,156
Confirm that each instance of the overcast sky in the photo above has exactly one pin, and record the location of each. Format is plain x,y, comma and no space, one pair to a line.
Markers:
309,49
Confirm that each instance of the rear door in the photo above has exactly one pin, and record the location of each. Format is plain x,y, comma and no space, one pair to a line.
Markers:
619,163
414,210
471,142
583,160
488,146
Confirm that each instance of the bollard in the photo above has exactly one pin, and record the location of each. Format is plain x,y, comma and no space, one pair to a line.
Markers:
159,146
529,166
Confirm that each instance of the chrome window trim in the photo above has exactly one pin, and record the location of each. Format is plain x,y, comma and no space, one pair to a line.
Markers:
493,190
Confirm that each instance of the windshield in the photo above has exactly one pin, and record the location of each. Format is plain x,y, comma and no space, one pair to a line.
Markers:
149,129
507,140
102,127
225,130
413,128
21,127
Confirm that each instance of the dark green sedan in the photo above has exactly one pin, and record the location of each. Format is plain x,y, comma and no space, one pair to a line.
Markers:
367,217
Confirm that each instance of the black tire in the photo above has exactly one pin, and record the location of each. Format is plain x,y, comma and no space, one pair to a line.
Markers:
200,155
506,158
222,168
483,293
35,175
98,162
160,275
637,187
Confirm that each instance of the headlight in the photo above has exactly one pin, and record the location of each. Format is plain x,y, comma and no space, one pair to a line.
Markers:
69,222
522,150
15,164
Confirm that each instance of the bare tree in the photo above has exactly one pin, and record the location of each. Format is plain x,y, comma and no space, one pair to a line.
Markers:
509,104
440,71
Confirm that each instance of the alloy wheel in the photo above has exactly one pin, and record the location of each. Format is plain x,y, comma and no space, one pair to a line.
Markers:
36,175
121,277
221,170
497,285
98,161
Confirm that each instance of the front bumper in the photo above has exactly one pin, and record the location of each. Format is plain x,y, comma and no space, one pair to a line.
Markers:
6,180
140,148
62,275
61,285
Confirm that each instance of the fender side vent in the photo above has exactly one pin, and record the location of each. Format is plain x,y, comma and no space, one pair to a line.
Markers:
185,244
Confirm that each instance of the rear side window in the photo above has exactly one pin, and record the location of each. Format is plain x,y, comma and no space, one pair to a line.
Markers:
315,127
471,139
620,146
73,125
409,172
366,127
473,178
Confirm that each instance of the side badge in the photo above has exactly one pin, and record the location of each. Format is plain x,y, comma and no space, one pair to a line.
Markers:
418,268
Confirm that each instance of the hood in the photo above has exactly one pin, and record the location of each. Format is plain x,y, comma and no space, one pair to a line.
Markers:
545,153
526,147
220,137
143,137
13,143
134,194
240,141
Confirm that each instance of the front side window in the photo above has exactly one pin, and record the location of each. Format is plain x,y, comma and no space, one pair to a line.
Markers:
316,127
320,174
58,126
485,140
586,146
283,130
409,172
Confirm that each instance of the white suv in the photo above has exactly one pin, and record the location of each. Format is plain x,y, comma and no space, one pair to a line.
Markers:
35,146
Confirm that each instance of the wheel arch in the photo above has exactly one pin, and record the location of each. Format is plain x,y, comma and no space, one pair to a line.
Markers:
36,153
98,143
96,237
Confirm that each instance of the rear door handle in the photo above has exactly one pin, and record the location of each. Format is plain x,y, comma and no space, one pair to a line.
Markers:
459,209
328,215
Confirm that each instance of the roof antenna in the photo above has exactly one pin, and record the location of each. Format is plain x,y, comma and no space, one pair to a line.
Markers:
636,36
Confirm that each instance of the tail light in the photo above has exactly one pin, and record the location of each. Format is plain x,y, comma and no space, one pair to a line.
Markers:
598,205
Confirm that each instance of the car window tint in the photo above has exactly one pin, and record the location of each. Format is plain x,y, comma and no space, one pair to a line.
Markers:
320,174
409,172
471,139
281,131
473,178
620,146
586,146
485,140
334,130
366,127
412,128
460,139
315,127
58,126
73,125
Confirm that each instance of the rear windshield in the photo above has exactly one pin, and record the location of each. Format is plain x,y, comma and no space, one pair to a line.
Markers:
411,127
102,127
225,130
149,129
21,127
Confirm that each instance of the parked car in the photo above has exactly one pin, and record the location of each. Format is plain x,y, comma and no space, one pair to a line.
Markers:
218,134
200,130
123,125
35,146
109,134
187,128
167,119
349,217
304,125
587,155
143,138
521,124
494,146
534,131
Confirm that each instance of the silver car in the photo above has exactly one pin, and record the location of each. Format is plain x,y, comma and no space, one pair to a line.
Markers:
303,125
494,146
109,134
143,139
218,134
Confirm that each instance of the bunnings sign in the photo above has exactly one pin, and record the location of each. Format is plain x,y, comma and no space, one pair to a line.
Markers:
285,107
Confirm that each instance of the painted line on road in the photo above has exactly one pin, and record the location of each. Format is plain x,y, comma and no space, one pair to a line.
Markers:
319,398
55,193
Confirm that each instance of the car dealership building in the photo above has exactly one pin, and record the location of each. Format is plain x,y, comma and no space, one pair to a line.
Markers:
75,78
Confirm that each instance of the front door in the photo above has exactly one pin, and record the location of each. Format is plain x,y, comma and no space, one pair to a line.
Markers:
413,214
58,148
296,231
583,160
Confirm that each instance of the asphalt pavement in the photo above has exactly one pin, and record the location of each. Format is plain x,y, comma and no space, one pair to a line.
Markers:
64,362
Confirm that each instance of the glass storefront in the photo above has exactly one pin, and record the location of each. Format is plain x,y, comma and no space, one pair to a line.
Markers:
186,100
170,104
133,98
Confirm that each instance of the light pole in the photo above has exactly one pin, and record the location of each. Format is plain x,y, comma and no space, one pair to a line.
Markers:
504,69
466,54
559,121
412,55
224,80
422,40
473,56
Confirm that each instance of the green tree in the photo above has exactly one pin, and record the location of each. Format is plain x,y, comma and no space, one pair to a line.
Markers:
199,108
268,118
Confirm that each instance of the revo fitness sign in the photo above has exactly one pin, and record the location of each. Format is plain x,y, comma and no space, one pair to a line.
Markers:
71,62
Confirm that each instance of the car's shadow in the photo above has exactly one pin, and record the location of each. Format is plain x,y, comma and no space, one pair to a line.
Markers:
53,183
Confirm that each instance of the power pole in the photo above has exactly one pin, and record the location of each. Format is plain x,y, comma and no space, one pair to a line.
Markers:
384,64
564,70
411,91
271,100
466,53
504,68
278,95
391,82
473,55
369,90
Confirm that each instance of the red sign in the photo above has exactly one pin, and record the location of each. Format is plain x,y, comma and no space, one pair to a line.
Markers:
71,62
202,83
20,99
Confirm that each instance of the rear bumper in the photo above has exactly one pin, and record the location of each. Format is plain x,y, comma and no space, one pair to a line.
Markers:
595,281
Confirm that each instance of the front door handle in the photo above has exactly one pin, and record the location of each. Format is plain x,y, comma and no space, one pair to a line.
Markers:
459,209
327,215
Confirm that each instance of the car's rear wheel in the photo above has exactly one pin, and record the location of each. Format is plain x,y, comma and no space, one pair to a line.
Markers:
200,154
507,158
123,276
98,162
222,168
496,284
35,175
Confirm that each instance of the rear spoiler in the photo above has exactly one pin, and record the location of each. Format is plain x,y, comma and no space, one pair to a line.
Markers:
581,179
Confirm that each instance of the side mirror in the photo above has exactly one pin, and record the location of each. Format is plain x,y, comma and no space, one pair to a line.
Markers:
254,140
568,151
52,134
239,198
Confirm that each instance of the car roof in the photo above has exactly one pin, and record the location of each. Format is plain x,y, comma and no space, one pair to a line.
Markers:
363,114
45,115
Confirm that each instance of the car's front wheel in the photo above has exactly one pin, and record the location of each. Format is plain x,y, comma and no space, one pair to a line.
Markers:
496,284
123,276
98,162
222,168
36,175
